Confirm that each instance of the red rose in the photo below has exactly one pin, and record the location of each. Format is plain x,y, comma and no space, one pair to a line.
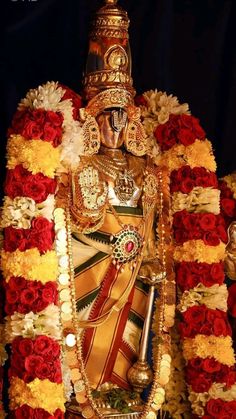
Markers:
40,224
42,241
40,305
38,115
41,414
52,134
221,327
190,221
195,315
184,278
23,412
165,136
205,329
35,190
228,206
58,414
28,296
44,371
195,363
207,221
201,384
140,100
32,130
217,272
186,137
32,362
25,346
42,344
57,377
181,236
17,283
49,292
14,238
221,231
178,218
211,239
230,407
226,192
75,98
12,296
215,407
12,189
210,365
186,186
55,118
232,300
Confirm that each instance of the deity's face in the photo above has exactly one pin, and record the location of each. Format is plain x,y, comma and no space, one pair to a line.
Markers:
112,123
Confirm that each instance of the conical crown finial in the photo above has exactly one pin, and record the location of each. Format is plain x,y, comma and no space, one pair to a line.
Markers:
109,60
110,1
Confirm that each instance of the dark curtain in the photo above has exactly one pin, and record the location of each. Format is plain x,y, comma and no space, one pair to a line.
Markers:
185,47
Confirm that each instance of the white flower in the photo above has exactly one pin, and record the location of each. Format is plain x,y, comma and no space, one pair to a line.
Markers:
214,297
161,105
20,211
45,322
47,96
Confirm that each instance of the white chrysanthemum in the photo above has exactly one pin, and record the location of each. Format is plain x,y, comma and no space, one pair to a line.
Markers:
220,391
72,145
47,96
161,105
46,322
20,211
214,297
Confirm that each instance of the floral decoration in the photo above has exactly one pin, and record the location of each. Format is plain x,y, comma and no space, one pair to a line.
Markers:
23,296
46,133
200,240
44,120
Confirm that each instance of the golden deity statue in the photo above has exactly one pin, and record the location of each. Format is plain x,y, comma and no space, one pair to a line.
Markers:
112,198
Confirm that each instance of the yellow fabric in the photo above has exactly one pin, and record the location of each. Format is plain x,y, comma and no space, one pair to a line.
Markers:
90,279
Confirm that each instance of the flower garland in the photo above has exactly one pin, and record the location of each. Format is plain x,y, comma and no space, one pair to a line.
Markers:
200,239
46,124
29,260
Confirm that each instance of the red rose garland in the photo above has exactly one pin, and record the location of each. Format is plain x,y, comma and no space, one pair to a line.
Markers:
36,359
205,231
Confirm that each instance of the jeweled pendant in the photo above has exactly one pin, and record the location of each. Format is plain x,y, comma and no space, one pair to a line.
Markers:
126,246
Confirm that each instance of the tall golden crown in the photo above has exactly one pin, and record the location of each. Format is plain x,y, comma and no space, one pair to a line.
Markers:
109,59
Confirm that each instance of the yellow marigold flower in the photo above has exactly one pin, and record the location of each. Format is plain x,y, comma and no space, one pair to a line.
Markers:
179,155
35,155
197,250
37,393
30,265
219,348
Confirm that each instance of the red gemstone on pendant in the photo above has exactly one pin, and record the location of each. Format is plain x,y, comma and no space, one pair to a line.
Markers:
129,246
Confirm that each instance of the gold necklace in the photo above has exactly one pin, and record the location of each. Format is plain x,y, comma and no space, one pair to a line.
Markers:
112,167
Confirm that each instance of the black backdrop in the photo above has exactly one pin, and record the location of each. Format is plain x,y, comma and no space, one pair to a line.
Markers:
186,47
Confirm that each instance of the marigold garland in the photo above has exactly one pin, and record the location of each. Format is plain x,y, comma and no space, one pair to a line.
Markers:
196,250
30,265
37,156
219,348
199,183
180,155
35,394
